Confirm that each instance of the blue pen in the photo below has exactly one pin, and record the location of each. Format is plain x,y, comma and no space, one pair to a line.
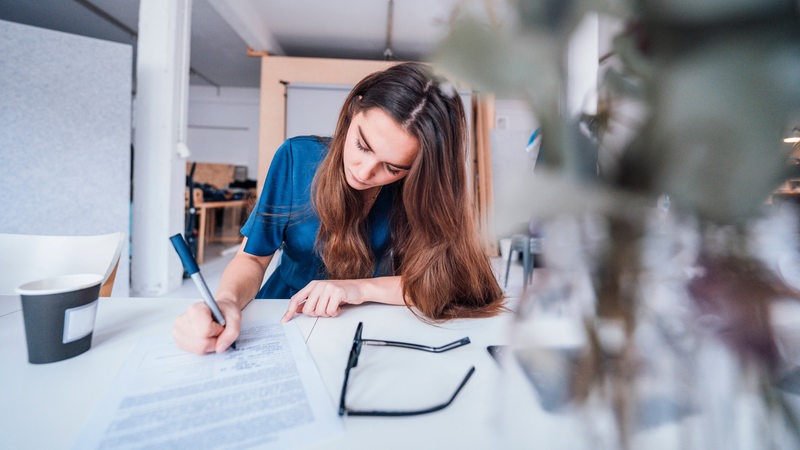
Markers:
190,264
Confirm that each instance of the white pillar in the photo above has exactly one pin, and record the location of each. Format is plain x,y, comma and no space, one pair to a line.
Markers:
583,67
159,165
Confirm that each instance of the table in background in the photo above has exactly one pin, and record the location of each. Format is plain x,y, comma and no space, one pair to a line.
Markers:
232,211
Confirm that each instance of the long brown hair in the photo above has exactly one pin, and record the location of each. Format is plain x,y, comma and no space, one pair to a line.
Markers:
435,244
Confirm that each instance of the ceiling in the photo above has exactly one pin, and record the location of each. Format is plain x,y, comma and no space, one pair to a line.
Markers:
223,30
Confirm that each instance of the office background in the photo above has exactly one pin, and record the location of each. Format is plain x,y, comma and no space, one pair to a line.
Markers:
222,126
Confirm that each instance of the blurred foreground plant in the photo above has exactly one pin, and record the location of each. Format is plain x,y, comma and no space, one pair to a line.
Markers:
693,108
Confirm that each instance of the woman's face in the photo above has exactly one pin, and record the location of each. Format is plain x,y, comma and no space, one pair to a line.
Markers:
377,150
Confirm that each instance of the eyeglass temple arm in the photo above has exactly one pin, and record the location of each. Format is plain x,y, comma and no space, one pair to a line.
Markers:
425,348
419,411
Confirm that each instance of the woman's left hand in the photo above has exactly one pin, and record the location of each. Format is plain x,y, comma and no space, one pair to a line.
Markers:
323,298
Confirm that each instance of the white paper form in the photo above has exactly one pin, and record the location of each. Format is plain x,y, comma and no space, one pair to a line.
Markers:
265,394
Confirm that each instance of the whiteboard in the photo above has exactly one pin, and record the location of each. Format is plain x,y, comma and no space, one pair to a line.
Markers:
313,109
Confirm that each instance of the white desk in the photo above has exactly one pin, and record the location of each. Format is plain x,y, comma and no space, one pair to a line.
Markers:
377,382
45,406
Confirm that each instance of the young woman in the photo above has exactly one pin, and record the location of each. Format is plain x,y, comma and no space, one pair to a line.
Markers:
378,213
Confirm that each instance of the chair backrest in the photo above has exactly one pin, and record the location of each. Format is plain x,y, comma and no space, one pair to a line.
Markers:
28,257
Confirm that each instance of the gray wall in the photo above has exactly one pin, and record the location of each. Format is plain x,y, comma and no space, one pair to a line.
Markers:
65,133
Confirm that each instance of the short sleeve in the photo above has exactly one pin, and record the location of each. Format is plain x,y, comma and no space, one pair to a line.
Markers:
266,225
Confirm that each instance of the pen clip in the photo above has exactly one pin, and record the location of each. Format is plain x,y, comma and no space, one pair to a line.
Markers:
188,261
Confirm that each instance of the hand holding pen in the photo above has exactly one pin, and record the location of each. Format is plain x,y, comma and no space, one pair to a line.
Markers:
197,330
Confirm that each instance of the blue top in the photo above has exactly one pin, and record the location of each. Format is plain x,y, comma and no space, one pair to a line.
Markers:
284,218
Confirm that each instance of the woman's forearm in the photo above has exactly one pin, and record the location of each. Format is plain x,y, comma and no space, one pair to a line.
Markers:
388,290
242,278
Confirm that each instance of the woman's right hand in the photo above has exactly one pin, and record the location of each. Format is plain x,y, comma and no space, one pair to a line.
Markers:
196,331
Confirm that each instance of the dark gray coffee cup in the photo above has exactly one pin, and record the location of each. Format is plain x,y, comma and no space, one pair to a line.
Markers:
59,314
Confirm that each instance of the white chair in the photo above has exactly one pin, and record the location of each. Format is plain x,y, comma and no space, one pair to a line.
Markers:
29,257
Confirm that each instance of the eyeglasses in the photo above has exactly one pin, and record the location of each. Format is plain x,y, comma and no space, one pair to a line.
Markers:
353,362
